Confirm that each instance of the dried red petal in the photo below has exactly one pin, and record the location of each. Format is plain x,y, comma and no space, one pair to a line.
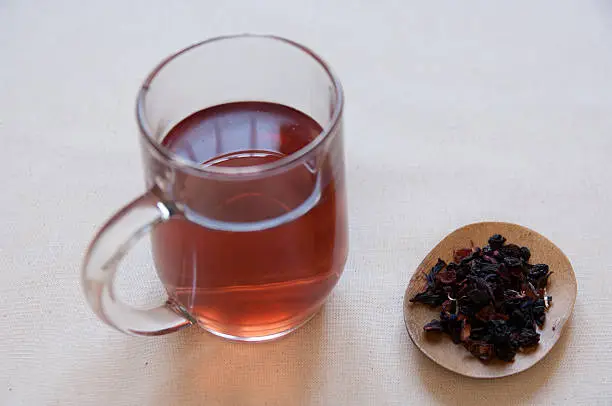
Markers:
488,313
480,349
447,277
448,307
466,331
461,253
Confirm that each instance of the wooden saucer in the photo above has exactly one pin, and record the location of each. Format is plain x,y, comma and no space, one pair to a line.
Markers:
561,286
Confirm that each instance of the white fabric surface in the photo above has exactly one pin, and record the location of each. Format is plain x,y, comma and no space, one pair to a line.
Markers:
456,112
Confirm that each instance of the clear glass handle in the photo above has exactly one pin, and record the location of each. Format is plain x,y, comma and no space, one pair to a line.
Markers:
105,253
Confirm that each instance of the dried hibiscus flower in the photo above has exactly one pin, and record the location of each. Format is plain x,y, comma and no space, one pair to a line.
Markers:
491,299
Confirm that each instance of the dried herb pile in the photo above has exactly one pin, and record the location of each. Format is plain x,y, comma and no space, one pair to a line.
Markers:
492,299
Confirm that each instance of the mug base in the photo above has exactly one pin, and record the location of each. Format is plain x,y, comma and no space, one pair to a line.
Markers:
259,335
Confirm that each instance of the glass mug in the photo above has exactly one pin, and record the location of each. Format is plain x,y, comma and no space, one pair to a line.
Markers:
248,218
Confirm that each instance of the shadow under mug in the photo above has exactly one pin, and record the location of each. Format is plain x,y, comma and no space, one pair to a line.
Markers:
245,274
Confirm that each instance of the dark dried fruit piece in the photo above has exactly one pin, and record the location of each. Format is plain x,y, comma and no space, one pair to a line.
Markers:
525,254
505,353
433,325
429,298
511,250
539,312
431,276
526,338
496,241
538,271
538,275
513,262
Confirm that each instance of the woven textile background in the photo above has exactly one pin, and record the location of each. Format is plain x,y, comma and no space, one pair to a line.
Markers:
456,112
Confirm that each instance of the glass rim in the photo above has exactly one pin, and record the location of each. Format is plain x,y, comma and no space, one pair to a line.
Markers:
184,164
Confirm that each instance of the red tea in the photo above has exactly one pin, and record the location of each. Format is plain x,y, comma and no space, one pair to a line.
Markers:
269,248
